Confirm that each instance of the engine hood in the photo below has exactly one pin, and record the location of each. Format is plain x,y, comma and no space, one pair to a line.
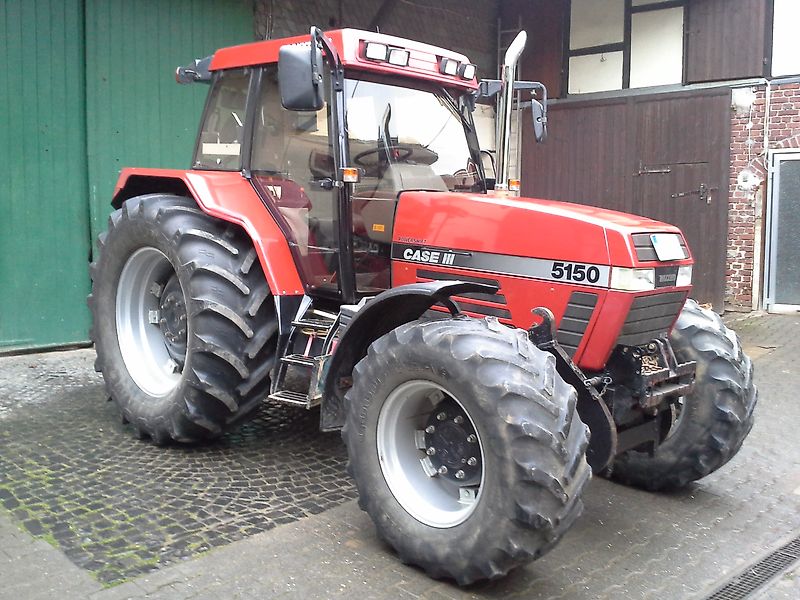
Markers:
521,227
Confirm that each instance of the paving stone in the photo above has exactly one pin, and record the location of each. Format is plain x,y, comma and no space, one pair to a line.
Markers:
268,511
119,506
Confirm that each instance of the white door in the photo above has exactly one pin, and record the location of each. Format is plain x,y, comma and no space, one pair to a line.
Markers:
783,235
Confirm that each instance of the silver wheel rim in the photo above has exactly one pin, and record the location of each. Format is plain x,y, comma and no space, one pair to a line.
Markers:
141,341
433,499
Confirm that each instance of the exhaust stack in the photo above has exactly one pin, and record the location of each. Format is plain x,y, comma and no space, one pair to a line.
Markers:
508,70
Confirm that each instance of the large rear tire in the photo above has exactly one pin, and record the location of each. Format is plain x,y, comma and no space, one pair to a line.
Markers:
711,422
466,447
183,321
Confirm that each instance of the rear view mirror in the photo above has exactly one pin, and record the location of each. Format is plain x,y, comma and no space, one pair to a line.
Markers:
539,121
299,77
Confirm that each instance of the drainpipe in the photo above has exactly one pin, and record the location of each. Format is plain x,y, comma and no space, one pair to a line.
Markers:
756,291
510,61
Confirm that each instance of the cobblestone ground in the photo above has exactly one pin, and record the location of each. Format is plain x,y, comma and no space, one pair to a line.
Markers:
73,475
628,543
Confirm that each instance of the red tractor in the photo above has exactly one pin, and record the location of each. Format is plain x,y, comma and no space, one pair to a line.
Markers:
338,243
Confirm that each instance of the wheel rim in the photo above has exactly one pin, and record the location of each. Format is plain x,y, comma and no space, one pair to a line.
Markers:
151,321
439,488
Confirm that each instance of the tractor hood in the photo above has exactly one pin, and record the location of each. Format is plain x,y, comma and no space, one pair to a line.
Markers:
524,227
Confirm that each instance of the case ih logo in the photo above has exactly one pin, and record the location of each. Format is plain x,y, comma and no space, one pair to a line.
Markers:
666,276
433,257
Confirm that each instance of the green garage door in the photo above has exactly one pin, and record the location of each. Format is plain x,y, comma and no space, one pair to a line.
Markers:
136,114
87,87
44,223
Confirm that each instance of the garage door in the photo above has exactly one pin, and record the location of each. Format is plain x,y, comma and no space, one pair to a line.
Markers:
44,225
87,87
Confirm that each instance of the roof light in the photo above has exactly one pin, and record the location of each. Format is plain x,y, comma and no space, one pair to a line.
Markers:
375,51
448,66
398,57
468,71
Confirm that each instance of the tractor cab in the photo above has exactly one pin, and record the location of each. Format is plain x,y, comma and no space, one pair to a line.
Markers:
331,133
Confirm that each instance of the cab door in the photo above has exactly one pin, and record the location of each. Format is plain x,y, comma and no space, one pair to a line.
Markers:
293,170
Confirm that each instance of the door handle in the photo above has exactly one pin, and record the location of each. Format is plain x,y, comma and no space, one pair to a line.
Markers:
703,193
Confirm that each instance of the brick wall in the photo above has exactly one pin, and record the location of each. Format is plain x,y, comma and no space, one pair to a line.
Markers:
746,202
466,26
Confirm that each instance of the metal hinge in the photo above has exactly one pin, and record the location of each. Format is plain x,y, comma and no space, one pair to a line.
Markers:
645,170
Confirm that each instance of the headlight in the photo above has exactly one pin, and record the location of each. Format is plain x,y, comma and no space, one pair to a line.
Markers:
633,280
684,276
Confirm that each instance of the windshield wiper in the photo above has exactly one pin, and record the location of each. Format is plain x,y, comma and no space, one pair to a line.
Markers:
453,105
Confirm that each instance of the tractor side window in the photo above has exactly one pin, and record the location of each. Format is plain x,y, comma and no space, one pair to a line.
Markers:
291,163
221,136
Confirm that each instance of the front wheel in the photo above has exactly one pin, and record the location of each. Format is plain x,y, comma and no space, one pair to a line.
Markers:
465,446
712,421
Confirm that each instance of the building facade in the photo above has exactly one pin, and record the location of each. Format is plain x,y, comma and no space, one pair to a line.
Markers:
684,110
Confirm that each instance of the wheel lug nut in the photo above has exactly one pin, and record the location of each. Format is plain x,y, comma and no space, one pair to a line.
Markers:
442,470
441,416
472,461
431,451
459,474
430,429
472,438
458,420
162,322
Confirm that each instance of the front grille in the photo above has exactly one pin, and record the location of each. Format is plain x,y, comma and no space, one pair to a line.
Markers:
646,252
575,321
498,301
649,317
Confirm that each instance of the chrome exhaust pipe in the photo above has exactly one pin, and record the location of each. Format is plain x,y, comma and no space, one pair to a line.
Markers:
508,70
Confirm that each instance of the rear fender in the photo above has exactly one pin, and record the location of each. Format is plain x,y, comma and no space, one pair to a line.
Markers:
377,317
230,197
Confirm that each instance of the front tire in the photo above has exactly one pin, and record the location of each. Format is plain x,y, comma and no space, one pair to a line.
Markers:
712,421
183,322
466,447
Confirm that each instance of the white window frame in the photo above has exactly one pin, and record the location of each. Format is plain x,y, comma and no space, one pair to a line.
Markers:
625,45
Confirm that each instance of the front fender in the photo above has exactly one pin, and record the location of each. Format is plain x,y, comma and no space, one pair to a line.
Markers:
377,317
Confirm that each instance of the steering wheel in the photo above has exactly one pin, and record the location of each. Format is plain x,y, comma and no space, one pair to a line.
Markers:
397,153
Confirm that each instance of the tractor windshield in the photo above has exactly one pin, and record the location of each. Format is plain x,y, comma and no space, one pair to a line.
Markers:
407,139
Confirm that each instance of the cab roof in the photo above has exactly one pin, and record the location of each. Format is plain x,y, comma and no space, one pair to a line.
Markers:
423,62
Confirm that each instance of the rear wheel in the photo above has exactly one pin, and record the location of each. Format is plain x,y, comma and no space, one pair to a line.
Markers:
183,322
707,426
465,446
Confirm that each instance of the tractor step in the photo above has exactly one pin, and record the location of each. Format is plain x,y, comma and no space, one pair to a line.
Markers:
314,326
299,360
290,397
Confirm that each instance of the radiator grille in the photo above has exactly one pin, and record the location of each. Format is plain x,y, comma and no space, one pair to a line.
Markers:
575,321
645,251
649,317
497,308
